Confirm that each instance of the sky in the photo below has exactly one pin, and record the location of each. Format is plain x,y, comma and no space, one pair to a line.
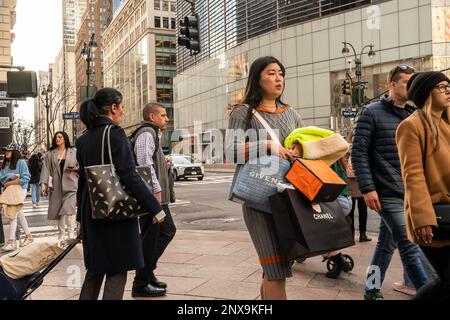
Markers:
38,39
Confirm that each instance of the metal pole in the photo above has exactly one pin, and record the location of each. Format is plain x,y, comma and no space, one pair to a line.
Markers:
47,107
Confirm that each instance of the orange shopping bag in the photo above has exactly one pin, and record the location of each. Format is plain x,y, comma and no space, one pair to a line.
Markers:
316,180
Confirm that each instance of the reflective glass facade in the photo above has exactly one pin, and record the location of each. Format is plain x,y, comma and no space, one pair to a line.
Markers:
225,24
165,61
130,76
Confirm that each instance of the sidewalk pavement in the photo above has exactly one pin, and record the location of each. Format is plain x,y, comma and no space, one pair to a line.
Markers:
223,265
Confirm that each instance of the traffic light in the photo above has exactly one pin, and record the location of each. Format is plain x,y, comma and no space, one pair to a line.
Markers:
346,87
190,33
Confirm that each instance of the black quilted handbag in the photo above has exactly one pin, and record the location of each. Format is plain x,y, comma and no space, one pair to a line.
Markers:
442,232
109,199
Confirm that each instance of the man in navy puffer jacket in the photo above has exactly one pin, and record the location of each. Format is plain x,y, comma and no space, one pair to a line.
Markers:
377,167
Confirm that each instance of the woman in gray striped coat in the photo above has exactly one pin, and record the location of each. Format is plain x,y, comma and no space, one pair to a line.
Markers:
263,92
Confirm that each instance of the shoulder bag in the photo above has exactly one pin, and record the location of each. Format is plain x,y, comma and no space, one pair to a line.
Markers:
109,199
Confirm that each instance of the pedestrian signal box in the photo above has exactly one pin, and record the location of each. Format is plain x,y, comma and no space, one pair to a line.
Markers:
22,84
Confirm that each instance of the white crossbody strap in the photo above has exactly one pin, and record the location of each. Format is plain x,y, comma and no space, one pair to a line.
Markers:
266,126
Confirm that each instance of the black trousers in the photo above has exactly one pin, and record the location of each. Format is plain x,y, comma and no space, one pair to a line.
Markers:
438,289
2,234
114,286
155,239
362,212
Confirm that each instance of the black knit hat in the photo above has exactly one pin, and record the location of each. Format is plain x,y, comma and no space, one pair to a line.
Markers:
420,85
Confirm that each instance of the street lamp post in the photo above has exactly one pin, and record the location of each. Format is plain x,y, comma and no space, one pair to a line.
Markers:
46,90
87,52
359,85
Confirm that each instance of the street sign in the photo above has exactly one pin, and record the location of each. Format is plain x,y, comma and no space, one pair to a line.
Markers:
349,113
71,116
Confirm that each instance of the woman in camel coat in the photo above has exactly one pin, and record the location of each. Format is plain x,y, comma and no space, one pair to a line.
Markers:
423,142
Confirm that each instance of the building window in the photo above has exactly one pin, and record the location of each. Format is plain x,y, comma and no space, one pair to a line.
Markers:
165,5
172,23
157,22
166,23
157,5
173,6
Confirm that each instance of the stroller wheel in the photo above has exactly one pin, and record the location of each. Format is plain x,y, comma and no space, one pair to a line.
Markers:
334,269
349,261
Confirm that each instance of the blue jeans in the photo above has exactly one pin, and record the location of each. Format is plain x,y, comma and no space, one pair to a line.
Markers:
34,192
428,269
393,235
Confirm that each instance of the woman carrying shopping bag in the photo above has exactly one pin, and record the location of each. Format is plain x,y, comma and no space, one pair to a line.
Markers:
263,94
14,171
59,178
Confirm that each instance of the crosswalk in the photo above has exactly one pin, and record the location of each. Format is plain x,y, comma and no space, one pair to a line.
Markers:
39,224
213,179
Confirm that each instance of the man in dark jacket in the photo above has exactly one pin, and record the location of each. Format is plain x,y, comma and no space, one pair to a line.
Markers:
377,168
155,237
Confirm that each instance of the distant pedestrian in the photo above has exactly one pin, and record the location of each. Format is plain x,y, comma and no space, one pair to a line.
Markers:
14,171
357,198
110,248
263,92
35,167
59,177
155,237
377,168
424,149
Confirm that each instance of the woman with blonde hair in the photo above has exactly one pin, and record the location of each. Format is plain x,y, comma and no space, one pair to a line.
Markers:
423,142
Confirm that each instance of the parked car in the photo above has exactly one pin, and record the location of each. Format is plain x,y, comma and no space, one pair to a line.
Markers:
184,166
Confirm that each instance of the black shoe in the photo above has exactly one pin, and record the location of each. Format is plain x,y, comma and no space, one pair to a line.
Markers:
364,238
159,284
148,291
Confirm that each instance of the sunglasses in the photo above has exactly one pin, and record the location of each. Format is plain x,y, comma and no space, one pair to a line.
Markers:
401,68
443,88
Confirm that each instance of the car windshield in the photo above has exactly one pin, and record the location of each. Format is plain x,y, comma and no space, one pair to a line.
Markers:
183,160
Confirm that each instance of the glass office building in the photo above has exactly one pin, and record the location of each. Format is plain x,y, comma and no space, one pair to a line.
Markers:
306,36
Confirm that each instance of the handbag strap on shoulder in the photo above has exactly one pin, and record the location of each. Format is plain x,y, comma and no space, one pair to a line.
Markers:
107,133
267,127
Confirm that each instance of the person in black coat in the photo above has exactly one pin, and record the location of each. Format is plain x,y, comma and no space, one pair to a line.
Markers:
35,167
111,248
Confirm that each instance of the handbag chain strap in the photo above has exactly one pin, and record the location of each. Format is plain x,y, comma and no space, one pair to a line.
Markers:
107,132
267,127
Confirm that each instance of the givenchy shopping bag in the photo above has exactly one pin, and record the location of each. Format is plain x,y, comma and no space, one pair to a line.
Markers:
257,180
305,232
316,180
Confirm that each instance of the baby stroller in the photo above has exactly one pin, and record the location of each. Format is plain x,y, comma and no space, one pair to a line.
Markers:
20,289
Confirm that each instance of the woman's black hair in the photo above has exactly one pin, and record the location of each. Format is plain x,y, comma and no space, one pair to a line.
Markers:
99,105
253,90
66,140
15,157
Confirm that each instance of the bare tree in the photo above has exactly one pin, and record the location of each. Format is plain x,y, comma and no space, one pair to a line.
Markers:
23,132
61,99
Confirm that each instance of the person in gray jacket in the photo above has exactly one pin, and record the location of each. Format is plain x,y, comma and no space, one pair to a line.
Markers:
59,177
155,237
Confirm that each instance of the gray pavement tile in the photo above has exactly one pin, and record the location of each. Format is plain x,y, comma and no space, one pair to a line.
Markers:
228,261
176,269
226,289
223,273
176,257
301,293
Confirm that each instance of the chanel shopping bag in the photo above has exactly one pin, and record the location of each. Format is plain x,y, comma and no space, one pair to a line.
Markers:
257,180
304,231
